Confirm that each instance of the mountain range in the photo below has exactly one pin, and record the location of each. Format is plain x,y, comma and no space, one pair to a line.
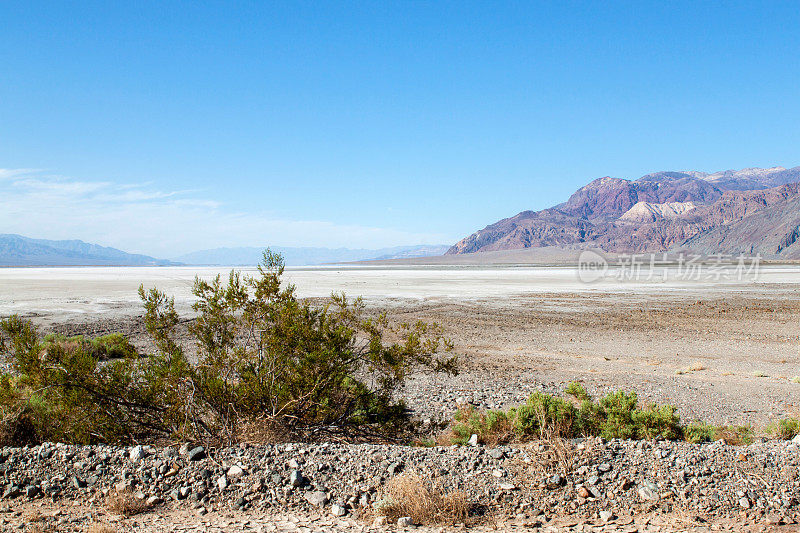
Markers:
306,256
747,211
16,250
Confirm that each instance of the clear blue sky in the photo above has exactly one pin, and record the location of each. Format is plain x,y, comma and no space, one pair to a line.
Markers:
163,127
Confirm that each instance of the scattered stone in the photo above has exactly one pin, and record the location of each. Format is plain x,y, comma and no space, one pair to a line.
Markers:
649,491
296,478
496,453
316,497
405,521
196,454
744,503
136,454
338,510
473,440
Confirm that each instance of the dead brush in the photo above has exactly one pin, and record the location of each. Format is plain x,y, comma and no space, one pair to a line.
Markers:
125,504
424,501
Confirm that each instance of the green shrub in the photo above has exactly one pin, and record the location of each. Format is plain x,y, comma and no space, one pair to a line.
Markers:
618,415
788,428
544,415
111,346
699,431
577,391
491,427
658,422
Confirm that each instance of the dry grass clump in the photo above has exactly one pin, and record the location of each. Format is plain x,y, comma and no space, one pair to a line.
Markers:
695,366
424,501
125,503
759,374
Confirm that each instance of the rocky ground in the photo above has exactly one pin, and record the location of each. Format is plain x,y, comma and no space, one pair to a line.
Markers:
584,485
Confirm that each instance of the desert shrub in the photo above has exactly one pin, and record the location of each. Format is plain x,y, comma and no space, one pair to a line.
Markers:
658,422
492,427
268,364
786,428
59,391
544,416
616,415
264,354
424,501
111,346
125,503
698,432
736,435
618,410
577,391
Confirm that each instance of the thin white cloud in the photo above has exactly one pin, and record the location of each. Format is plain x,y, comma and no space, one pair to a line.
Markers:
143,219
7,173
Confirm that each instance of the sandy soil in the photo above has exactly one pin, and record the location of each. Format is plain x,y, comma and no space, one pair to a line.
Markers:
94,518
721,350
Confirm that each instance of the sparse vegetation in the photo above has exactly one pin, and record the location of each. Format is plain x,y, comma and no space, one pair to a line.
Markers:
111,346
423,501
125,503
266,360
698,432
786,428
616,415
492,427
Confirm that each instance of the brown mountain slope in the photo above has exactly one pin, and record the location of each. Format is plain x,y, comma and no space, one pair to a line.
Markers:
592,216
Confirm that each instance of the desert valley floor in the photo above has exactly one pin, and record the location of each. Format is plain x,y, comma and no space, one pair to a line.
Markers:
722,350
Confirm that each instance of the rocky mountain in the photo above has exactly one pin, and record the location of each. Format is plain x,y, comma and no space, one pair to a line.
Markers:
16,250
745,211
306,256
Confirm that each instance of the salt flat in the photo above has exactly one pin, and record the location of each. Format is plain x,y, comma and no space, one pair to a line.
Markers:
114,289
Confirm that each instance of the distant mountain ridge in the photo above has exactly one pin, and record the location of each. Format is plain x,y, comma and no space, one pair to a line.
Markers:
16,250
247,256
752,210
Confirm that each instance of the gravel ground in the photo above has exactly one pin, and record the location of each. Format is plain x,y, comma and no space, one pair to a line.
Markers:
591,481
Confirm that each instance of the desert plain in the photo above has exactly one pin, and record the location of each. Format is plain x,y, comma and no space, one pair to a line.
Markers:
721,345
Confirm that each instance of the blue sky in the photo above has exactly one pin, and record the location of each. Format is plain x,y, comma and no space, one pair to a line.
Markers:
166,127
